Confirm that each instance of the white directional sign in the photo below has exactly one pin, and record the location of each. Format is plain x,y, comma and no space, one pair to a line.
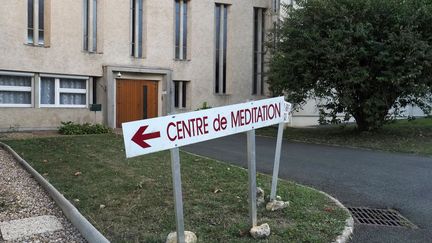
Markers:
162,133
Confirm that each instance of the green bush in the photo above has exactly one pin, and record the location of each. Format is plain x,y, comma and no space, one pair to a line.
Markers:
71,128
204,106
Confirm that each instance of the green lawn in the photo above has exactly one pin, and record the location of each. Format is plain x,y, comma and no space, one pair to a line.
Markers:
401,136
137,193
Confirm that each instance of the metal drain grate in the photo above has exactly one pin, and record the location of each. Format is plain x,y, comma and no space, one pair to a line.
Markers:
379,217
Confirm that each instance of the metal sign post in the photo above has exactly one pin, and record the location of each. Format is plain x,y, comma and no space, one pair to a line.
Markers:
277,161
178,198
251,156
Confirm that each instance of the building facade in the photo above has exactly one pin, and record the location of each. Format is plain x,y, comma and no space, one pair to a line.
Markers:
137,58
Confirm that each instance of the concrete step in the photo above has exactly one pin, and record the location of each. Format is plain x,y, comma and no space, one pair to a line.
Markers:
15,229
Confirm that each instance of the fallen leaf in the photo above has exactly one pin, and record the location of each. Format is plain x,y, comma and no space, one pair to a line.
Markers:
244,232
217,190
45,161
76,200
328,209
140,185
101,206
77,173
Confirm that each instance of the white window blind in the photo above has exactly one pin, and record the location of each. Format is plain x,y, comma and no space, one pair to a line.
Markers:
63,92
15,91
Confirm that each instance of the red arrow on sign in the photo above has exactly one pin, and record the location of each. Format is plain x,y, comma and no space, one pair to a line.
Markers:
140,138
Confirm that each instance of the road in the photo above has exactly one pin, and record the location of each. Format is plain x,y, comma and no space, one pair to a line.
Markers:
357,177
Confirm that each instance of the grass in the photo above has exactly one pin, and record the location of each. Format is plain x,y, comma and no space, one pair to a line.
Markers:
401,136
137,193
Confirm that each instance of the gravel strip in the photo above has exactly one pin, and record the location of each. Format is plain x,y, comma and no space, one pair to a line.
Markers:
22,197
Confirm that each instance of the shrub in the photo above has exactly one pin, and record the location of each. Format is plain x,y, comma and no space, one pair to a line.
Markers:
71,128
204,106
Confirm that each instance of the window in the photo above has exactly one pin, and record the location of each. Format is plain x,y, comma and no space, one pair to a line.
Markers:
36,22
15,91
258,69
63,92
181,23
221,19
30,10
90,25
276,5
41,22
180,88
137,28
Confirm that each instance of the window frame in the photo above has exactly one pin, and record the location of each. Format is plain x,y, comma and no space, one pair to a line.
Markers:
276,6
90,26
58,91
95,26
180,94
86,18
136,47
30,22
259,52
41,19
39,28
221,17
181,29
19,89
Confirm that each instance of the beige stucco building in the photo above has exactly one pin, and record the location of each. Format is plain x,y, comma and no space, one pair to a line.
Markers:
137,58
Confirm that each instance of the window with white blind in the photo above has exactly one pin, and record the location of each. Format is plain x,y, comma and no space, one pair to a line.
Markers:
181,29
16,90
63,92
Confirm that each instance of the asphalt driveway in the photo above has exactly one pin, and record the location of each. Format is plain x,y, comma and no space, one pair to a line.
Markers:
356,177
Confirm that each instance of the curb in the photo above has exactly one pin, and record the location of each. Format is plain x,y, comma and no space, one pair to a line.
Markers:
349,222
87,230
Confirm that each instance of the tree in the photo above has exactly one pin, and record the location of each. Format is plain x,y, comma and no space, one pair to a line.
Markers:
363,58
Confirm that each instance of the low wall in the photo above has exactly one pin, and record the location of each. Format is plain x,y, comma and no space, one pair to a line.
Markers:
24,119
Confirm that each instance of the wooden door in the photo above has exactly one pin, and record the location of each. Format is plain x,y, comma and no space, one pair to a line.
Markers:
136,100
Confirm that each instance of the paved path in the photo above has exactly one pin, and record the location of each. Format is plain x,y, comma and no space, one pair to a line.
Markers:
356,177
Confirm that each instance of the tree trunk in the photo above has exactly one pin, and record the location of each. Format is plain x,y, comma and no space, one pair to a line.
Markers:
362,124
364,121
